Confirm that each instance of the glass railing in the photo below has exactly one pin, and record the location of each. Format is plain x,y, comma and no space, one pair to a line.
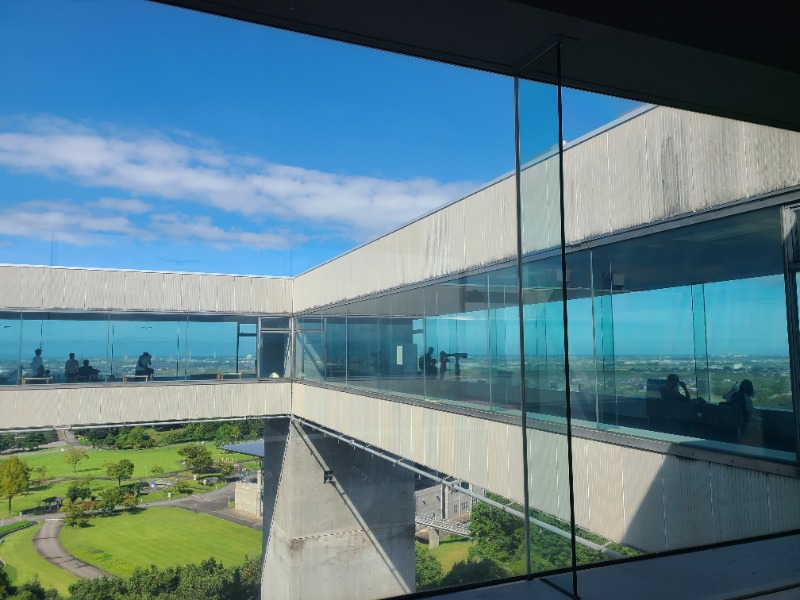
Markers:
85,348
677,355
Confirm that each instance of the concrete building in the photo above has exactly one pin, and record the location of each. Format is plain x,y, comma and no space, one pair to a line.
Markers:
562,297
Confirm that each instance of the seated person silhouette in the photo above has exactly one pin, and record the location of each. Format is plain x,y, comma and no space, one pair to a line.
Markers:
143,364
743,398
672,392
87,372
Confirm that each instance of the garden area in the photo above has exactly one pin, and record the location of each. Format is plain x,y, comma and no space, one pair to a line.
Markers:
101,487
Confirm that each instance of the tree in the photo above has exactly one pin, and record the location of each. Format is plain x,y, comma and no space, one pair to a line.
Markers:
198,458
429,570
209,580
130,500
252,429
98,589
224,467
119,470
226,434
41,475
183,487
109,499
498,535
77,513
139,437
33,440
14,478
75,455
7,442
33,590
6,589
200,431
157,470
77,490
474,571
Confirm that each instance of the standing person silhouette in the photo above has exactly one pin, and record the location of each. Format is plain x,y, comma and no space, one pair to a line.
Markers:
427,363
37,364
71,367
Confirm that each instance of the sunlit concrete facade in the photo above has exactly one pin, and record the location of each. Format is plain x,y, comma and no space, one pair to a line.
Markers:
655,495
661,171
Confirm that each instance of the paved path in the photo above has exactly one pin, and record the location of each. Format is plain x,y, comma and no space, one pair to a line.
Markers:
46,540
46,543
213,503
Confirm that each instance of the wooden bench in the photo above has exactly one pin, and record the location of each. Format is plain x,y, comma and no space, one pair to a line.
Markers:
126,378
48,379
230,375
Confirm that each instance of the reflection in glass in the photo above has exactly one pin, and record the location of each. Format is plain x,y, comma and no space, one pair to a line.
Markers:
11,366
547,385
164,340
274,355
180,347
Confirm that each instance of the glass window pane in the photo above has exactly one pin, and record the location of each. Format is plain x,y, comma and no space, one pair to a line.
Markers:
273,360
546,381
11,364
165,341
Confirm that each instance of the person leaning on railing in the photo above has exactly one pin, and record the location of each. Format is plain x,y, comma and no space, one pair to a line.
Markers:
743,398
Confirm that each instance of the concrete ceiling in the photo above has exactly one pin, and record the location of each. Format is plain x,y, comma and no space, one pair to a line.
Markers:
714,57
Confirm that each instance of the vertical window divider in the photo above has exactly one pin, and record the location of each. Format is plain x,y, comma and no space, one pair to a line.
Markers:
562,220
790,244
520,305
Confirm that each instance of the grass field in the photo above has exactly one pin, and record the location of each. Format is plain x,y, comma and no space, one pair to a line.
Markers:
451,551
161,535
144,460
23,562
12,527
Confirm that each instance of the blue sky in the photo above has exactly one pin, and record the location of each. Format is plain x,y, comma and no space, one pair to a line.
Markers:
136,135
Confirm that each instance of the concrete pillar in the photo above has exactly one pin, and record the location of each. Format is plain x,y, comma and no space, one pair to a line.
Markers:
338,522
433,538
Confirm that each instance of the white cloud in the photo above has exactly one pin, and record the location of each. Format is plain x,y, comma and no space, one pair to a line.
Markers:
150,164
63,221
119,205
201,229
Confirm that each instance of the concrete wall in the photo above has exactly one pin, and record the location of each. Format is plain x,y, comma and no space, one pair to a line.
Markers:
352,537
661,163
477,230
49,406
248,498
649,500
58,288
443,502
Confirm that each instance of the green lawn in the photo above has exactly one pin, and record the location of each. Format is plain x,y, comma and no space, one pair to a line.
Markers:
451,551
13,527
23,562
36,494
144,460
161,535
